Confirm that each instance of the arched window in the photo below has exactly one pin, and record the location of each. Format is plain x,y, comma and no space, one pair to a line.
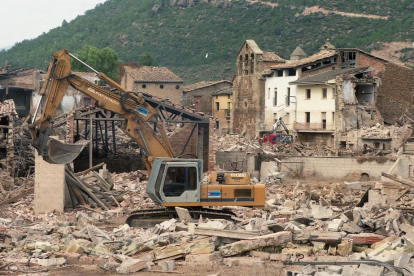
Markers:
240,65
252,63
246,64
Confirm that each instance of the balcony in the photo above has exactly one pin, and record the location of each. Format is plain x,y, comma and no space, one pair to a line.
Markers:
319,127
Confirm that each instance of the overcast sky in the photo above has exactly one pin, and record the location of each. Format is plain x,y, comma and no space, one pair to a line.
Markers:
27,19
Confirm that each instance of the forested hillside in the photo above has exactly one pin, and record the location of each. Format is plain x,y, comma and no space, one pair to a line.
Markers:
180,33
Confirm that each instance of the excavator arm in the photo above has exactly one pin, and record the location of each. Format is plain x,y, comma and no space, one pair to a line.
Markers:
129,105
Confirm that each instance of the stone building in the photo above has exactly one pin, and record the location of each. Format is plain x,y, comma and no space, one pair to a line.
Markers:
222,106
249,87
200,95
156,81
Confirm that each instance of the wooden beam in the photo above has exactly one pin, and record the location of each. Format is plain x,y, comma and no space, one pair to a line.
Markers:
238,235
404,182
17,197
90,169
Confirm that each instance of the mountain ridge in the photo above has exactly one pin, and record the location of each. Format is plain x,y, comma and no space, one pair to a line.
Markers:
180,33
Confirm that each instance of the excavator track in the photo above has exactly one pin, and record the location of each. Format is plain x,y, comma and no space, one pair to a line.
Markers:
148,218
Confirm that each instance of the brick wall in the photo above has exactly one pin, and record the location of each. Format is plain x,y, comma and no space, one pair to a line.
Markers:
49,187
179,139
363,60
203,136
395,94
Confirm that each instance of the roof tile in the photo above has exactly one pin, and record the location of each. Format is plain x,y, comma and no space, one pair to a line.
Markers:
152,74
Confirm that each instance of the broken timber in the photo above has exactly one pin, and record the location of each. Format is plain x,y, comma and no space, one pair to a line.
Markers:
404,182
239,235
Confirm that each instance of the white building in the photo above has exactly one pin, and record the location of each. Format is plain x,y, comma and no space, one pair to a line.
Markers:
280,97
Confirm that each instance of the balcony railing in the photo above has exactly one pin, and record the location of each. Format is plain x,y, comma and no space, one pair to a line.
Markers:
313,126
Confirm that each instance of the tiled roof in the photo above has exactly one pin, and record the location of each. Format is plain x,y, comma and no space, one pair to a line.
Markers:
270,56
329,75
8,108
224,92
310,59
202,84
298,52
152,74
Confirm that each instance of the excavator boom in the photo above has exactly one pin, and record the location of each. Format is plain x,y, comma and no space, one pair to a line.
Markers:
129,105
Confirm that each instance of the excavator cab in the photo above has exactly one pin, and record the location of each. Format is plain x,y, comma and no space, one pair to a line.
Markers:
175,180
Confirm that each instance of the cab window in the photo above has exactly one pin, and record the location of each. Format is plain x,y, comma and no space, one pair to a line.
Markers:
180,179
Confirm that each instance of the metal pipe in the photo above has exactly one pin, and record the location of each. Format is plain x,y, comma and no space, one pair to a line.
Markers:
143,141
83,63
90,142
113,136
37,110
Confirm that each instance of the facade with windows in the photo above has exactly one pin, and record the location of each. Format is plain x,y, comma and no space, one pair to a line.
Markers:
319,97
280,98
222,105
329,93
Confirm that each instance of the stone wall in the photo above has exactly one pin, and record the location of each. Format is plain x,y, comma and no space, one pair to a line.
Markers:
248,95
337,167
171,91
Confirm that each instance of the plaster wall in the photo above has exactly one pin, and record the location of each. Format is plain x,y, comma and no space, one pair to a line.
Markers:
273,111
316,105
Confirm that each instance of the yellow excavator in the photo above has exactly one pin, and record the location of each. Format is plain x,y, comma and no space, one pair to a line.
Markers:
173,182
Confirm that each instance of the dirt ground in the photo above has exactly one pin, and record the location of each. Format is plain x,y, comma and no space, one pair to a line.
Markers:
190,270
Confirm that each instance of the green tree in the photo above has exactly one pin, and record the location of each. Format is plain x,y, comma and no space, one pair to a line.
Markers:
147,60
105,60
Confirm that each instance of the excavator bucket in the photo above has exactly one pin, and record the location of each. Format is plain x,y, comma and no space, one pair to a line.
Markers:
60,153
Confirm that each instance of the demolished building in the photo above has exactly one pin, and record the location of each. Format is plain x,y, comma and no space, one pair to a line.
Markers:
22,85
8,115
323,96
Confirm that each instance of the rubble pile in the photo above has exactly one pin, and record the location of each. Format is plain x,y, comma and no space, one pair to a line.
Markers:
235,142
377,131
127,188
352,224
